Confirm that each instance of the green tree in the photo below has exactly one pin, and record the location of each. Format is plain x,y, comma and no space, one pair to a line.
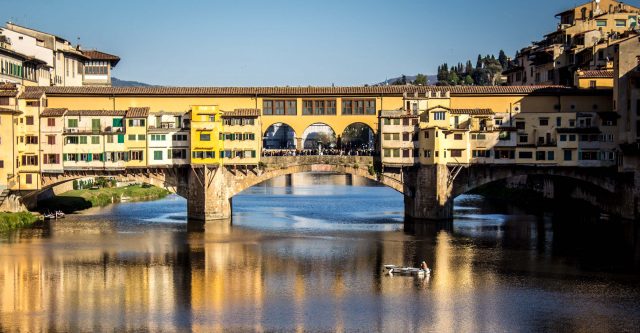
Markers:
453,78
502,58
421,79
468,80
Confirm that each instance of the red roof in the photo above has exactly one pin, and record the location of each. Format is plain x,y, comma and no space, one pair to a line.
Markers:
97,55
607,74
137,112
308,91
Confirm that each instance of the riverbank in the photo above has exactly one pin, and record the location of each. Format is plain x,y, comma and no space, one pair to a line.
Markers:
10,221
76,200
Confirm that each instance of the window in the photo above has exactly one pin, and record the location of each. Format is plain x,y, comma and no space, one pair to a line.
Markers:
396,121
540,156
319,107
179,137
406,137
51,122
481,153
406,153
456,152
395,136
505,154
427,153
29,120
72,123
568,155
28,178
137,155
158,137
563,137
132,137
601,23
572,137
504,136
51,159
457,136
520,125
141,137
31,160
358,106
95,140
592,84
279,107
387,121
572,123
525,154
205,137
551,156
588,155
109,138
523,139
544,121
157,155
621,23
558,121
178,153
51,139
116,122
31,140
136,122
83,140
33,103
426,134
439,115
72,140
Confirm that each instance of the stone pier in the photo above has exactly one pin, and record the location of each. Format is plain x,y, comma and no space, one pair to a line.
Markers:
209,195
429,195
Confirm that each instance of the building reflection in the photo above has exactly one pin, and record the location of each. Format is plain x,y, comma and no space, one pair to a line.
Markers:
233,278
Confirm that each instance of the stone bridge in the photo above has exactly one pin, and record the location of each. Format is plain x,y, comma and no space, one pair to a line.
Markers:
428,190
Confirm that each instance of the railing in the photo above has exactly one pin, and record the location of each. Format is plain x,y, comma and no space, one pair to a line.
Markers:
316,152
91,130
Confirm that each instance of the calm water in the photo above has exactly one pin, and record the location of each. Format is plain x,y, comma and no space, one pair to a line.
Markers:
307,255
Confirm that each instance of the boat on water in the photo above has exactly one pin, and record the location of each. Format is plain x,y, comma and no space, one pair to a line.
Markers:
393,270
54,216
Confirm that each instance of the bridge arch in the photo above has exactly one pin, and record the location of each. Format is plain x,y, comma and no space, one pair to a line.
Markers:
280,135
357,135
319,134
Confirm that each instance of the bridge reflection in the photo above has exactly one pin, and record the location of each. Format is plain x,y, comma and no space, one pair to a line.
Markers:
232,278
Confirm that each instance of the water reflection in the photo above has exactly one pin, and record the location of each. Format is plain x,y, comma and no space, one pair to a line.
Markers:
133,267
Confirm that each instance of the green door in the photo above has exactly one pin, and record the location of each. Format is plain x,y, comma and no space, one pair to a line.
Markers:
120,138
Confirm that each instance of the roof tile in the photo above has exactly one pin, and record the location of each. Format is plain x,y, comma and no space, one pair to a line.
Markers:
242,113
53,112
305,91
138,112
608,74
96,113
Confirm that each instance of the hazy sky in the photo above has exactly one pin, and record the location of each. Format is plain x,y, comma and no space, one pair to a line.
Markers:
296,43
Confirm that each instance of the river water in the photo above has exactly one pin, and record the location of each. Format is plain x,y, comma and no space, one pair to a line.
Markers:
306,253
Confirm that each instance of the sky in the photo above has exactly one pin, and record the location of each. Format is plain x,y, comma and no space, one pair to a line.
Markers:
287,42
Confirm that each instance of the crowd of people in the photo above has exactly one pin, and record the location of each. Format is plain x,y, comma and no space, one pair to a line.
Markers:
318,152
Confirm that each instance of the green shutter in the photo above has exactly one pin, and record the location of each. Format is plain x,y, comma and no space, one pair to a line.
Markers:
120,138
64,157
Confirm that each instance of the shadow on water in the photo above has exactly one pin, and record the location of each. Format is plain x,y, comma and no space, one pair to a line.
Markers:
67,204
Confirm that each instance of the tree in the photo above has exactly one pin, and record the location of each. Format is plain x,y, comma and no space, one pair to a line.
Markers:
479,62
403,80
453,78
469,68
502,58
421,79
468,80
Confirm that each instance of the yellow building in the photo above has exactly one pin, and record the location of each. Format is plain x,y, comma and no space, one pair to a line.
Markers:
594,79
241,137
136,136
206,127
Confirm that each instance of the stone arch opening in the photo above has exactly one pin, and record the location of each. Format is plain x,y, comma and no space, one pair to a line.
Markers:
279,136
357,136
319,136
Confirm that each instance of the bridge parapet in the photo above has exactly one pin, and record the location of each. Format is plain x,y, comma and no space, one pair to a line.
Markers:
285,161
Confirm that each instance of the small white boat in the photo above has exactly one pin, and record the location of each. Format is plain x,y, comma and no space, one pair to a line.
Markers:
59,214
393,269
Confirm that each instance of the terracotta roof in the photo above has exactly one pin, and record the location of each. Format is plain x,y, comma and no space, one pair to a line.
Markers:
312,91
473,112
97,55
31,94
8,86
608,74
242,113
53,112
96,113
8,93
396,114
8,110
138,112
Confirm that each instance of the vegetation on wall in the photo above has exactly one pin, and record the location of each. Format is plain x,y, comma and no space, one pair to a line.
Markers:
86,198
